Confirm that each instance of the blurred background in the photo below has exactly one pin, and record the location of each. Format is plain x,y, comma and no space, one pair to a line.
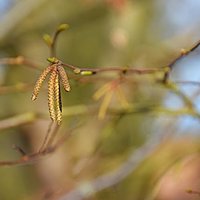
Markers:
102,33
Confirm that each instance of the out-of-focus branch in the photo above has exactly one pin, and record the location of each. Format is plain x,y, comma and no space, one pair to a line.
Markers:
19,60
19,87
155,110
19,11
70,111
34,157
174,89
17,120
87,189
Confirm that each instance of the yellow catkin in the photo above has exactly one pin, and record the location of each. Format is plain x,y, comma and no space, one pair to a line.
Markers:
101,91
57,100
121,97
104,105
39,82
64,78
51,93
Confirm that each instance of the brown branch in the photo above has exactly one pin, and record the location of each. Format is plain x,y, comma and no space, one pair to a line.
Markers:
46,138
29,158
182,54
19,149
19,87
34,157
19,60
124,70
136,70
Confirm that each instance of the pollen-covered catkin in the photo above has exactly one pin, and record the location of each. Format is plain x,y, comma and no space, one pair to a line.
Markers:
57,100
51,92
64,78
39,82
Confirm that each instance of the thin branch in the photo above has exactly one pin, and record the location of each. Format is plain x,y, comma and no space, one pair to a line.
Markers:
155,110
195,83
136,70
34,157
141,70
182,54
173,88
19,87
124,70
19,149
19,60
53,134
61,28
46,138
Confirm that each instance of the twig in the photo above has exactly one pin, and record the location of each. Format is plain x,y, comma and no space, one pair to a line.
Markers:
19,149
34,157
173,88
179,57
53,134
134,70
19,60
195,83
19,87
46,138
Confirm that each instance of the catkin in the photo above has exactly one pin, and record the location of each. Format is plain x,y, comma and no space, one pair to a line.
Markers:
64,78
51,92
39,82
54,95
104,105
57,100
